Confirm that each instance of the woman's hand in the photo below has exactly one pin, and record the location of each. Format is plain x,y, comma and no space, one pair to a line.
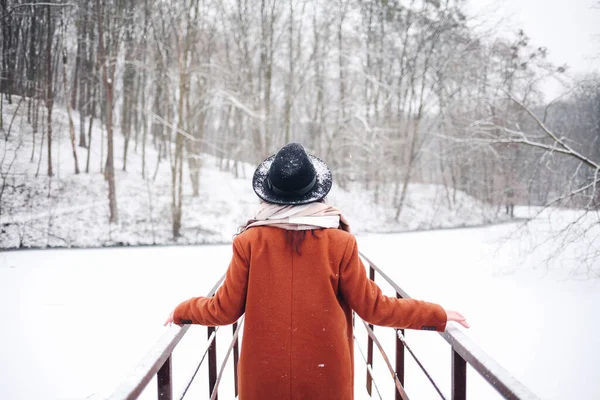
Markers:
457,317
169,319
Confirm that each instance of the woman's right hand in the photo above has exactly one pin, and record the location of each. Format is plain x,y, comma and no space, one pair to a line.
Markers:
457,317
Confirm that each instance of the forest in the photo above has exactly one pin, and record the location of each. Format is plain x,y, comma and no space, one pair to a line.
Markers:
388,92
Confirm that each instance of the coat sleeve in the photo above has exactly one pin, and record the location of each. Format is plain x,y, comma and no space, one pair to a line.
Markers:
366,298
228,304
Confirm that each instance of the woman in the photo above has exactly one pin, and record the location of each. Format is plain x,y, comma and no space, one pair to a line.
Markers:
298,289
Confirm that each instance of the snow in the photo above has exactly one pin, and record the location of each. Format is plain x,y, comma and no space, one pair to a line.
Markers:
534,317
72,210
77,322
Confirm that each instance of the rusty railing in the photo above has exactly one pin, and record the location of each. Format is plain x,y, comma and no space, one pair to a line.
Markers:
157,362
463,351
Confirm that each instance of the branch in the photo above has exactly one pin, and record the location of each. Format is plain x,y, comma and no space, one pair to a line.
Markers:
236,103
186,134
504,141
567,148
556,99
13,8
566,196
592,197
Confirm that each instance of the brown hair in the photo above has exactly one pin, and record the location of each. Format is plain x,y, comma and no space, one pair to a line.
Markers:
294,239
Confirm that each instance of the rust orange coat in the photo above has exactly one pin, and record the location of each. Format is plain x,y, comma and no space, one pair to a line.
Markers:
297,341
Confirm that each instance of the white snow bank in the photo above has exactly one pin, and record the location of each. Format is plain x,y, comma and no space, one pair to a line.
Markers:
77,322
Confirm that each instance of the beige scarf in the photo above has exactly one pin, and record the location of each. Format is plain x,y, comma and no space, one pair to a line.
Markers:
302,217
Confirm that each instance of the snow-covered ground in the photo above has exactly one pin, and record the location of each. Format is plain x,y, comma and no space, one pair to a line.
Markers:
76,322
72,210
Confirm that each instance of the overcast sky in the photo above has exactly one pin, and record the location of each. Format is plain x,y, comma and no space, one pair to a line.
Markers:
570,29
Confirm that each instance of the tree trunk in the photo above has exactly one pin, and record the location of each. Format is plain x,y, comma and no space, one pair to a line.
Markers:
141,83
87,162
144,136
128,89
32,70
71,125
109,171
37,171
49,94
34,125
75,78
92,113
287,110
83,63
408,174
194,161
177,166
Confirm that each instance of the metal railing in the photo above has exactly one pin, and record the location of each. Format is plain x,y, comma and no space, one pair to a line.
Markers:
158,361
464,352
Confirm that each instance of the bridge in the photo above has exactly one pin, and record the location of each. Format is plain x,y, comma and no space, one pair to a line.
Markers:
158,361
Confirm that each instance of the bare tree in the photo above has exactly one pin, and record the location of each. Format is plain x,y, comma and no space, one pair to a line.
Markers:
68,107
107,56
390,93
49,89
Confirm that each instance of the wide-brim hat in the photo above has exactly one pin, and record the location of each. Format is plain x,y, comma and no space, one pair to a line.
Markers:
292,177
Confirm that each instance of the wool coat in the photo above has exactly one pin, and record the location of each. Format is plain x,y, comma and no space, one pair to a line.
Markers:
297,338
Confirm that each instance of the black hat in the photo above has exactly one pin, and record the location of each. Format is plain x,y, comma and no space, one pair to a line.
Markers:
292,176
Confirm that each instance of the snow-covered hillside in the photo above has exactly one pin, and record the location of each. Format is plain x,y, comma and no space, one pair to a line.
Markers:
72,210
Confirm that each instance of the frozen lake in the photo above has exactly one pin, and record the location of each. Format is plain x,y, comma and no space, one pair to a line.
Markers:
76,322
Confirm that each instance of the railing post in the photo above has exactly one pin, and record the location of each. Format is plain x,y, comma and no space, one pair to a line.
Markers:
370,342
212,362
399,358
459,377
164,381
236,356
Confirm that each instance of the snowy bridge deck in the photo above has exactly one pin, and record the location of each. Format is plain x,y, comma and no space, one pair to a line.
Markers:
158,361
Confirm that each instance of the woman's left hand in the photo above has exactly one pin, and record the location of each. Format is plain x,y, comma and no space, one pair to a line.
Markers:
169,319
